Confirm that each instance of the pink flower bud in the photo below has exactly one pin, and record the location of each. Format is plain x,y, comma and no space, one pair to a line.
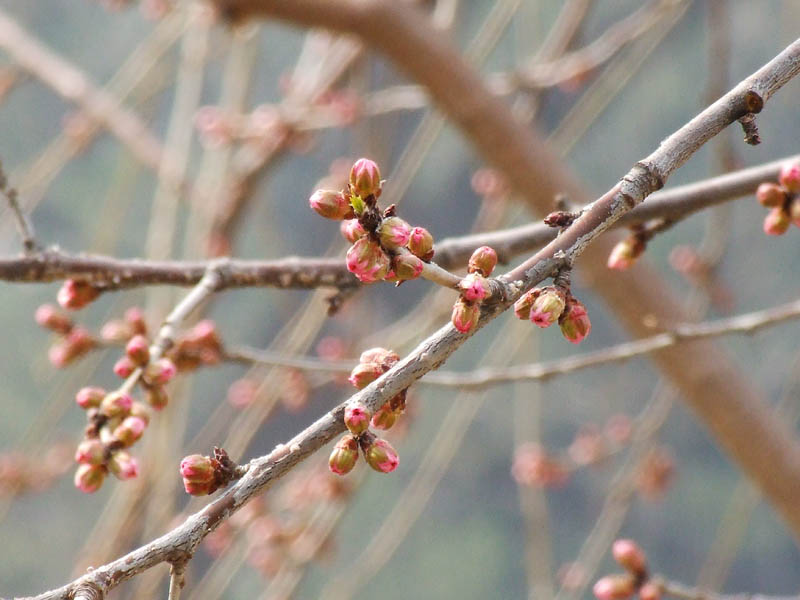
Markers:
381,356
483,261
157,397
161,371
130,430
124,367
330,204
384,418
123,465
522,307
789,177
89,478
394,233
367,261
420,243
406,266
625,253
614,587
352,230
135,318
90,397
465,315
140,411
365,178
116,404
650,591
474,287
138,350
548,306
116,331
365,373
90,452
777,221
629,555
197,468
48,317
76,294
76,343
356,418
771,195
380,455
344,455
574,321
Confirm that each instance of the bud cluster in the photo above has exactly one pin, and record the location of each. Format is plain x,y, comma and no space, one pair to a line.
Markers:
620,586
384,247
204,475
783,200
474,289
551,304
73,341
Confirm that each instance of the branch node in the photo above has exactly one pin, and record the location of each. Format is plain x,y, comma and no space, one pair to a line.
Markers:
753,102
750,128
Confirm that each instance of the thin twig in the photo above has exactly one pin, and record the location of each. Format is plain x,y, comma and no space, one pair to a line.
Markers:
24,226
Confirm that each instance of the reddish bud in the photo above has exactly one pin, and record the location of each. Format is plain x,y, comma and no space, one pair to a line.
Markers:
352,230
614,587
420,243
380,455
406,266
90,397
89,478
483,261
789,177
367,261
330,204
157,397
123,465
135,318
197,468
465,315
124,367
629,555
649,591
522,307
130,430
771,195
160,372
394,233
49,317
76,294
138,350
77,343
474,287
365,178
344,455
116,331
548,306
381,356
356,418
90,452
574,321
384,418
116,404
365,373
625,253
777,221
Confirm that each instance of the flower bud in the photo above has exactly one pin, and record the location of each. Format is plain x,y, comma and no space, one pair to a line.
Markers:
124,367
365,373
157,397
381,356
380,455
614,587
90,452
548,306
384,418
367,261
76,294
49,317
629,555
483,261
394,233
574,321
777,221
160,372
407,266
356,418
130,430
649,591
794,210
465,315
474,287
89,478
140,411
116,331
420,243
90,397
625,253
522,307
352,230
197,468
138,350
344,455
116,404
771,195
789,177
135,318
330,204
365,178
123,465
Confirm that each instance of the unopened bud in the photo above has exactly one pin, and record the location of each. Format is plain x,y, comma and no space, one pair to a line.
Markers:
614,587
407,266
140,411
794,210
522,307
381,356
344,455
76,294
135,318
465,315
130,430
574,321
650,591
420,243
90,452
384,418
777,221
197,468
330,204
124,367
394,233
116,404
474,287
356,418
89,478
90,397
548,306
789,177
367,261
771,195
138,350
365,178
380,455
625,253
49,317
365,373
160,372
352,230
483,261
629,555
123,465
157,397
116,331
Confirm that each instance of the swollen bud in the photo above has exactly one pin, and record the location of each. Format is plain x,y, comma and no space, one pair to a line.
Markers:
365,373
367,261
157,397
76,294
420,243
380,455
771,195
123,465
384,418
365,178
407,266
90,397
483,261
522,307
465,315
548,306
49,317
352,230
625,253
116,404
198,475
344,455
474,287
789,177
649,591
124,367
90,452
630,556
138,350
130,430
329,204
614,587
574,321
394,233
381,356
356,418
160,372
777,221
89,478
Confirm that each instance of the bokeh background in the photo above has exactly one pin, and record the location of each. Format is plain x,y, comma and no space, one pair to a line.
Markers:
478,535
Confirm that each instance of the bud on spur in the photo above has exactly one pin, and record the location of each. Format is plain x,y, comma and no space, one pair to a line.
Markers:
90,452
344,455
383,357
474,287
367,261
49,317
352,230
90,397
574,321
483,261
465,315
199,475
365,178
157,397
789,177
124,367
625,253
365,373
384,418
548,306
380,455
89,478
116,404
770,195
629,555
130,430
356,418
777,221
522,307
394,233
76,294
138,350
407,266
420,243
614,587
123,465
330,204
